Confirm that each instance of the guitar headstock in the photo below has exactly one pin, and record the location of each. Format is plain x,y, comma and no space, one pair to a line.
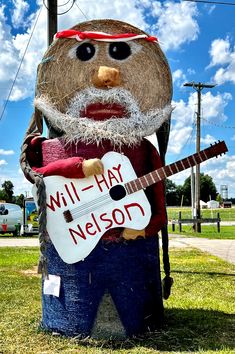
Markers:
218,148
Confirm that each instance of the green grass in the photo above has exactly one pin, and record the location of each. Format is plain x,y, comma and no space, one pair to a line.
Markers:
207,231
199,313
225,214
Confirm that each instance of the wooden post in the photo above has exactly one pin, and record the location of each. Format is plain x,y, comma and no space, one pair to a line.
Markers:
52,19
180,224
218,222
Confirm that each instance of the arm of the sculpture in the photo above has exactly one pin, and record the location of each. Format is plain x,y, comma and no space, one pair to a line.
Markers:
72,167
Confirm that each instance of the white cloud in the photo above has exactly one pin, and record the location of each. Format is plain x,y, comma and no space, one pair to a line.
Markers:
20,183
183,118
10,58
191,71
179,138
176,24
13,48
208,139
178,77
3,162
226,75
222,54
6,152
179,178
213,106
22,186
19,11
222,170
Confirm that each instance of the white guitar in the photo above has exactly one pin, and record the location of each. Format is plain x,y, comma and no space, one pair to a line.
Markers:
80,211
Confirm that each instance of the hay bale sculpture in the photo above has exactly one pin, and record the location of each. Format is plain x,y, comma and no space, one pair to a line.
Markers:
102,87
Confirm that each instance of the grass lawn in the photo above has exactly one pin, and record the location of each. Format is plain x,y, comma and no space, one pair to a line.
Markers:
207,231
226,214
199,313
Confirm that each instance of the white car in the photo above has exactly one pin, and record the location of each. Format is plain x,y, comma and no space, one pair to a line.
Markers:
11,218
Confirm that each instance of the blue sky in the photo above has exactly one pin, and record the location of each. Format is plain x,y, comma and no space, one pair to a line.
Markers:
198,40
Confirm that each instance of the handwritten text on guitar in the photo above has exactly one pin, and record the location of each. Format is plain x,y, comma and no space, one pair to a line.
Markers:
80,211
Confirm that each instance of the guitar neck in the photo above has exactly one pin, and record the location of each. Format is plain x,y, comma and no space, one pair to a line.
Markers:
178,166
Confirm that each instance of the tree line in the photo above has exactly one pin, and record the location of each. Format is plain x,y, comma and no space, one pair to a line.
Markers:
181,194
7,194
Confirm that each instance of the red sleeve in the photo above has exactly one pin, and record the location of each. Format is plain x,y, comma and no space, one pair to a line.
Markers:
156,195
34,151
70,167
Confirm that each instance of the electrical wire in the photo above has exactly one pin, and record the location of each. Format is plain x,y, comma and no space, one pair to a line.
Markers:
212,2
217,125
190,137
19,67
64,12
81,11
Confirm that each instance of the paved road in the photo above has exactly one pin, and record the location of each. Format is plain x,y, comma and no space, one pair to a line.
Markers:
224,249
18,242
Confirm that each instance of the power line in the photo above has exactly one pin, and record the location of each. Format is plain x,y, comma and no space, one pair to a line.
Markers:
64,12
217,125
81,11
21,62
212,2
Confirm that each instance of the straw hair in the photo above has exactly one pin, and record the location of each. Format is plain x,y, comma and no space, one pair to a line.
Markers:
60,77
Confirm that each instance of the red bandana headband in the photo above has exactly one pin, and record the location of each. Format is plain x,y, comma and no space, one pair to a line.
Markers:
103,37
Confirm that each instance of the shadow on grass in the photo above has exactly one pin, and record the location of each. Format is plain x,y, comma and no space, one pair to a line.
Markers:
185,330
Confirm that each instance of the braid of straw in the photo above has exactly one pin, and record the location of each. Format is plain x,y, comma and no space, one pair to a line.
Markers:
37,178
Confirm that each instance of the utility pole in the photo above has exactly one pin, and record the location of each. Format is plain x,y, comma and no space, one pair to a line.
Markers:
193,192
198,87
52,19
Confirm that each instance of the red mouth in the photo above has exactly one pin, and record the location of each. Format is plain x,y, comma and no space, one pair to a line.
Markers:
103,111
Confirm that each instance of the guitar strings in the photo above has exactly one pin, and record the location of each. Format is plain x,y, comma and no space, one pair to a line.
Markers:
90,204
92,208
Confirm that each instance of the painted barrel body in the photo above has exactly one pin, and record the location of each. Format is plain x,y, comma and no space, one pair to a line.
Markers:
115,292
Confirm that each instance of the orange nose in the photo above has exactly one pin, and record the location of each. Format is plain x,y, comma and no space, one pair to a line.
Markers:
106,77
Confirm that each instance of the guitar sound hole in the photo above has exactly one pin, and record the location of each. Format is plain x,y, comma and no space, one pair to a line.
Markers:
117,192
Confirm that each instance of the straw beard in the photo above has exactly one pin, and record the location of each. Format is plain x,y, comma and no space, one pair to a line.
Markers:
129,130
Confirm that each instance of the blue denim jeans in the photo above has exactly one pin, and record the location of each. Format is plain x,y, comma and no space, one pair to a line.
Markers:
129,271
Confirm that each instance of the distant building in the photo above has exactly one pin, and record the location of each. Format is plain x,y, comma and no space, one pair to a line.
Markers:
212,204
203,205
227,204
